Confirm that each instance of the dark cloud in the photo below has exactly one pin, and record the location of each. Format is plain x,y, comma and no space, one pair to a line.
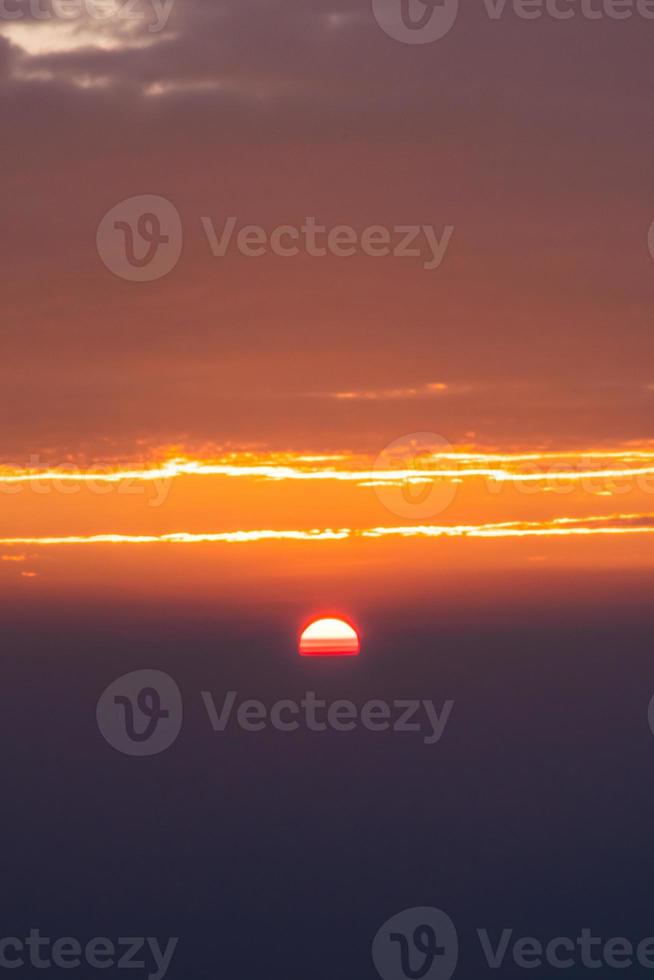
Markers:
6,57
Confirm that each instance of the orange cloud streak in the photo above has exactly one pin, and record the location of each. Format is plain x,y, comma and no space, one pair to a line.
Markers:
498,467
560,527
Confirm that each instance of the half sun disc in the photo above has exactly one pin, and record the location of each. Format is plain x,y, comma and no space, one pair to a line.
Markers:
329,638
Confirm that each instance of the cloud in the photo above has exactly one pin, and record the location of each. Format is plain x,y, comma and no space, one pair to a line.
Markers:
6,56
559,528
431,390
190,47
41,40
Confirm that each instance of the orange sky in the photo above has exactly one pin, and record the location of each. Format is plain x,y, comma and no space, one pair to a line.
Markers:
530,140
408,513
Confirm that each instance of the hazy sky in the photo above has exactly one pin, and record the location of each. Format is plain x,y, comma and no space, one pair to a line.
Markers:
524,599
530,137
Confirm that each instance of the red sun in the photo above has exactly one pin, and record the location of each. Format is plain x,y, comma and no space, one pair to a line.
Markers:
329,638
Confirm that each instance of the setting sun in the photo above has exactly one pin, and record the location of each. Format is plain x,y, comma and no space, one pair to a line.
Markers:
329,638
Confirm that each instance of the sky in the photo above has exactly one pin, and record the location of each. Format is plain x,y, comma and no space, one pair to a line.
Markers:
432,419
517,149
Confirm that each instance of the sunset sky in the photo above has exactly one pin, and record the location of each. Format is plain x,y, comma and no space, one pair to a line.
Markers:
279,382
327,377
